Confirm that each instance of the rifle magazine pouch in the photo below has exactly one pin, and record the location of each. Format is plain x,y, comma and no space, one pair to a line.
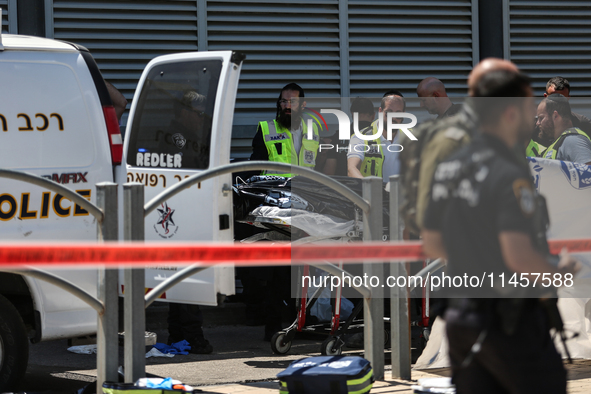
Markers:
327,375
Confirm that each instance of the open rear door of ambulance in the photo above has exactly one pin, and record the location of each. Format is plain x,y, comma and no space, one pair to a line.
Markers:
180,124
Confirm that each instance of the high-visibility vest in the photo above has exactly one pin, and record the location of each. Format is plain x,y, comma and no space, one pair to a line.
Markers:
534,149
373,158
279,143
552,150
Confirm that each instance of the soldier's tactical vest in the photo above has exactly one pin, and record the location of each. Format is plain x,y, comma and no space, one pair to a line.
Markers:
410,161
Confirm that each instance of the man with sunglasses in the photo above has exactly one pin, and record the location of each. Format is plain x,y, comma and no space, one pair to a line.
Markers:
285,139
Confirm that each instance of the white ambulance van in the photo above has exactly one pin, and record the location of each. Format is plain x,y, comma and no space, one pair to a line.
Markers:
57,121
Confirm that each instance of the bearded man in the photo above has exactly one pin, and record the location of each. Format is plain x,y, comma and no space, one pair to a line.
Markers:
285,139
555,122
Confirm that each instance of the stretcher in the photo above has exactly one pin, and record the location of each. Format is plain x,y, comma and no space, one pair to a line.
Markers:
303,211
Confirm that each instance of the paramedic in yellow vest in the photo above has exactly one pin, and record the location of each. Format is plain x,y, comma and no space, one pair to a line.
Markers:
562,86
285,139
558,85
378,157
534,149
555,124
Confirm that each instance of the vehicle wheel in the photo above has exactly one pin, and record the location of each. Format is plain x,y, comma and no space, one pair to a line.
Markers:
14,347
329,347
278,344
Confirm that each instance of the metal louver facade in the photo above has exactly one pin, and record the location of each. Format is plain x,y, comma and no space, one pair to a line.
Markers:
549,38
8,16
284,42
123,36
4,6
331,48
395,44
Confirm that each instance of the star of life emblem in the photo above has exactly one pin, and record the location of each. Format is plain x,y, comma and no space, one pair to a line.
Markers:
165,226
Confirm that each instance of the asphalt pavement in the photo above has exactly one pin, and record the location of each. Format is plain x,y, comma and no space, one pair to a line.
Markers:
240,355
241,362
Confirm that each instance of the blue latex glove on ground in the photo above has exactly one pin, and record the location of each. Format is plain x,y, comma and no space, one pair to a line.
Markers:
181,347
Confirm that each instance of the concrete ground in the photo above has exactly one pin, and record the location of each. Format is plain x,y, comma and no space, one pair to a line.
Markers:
579,382
241,362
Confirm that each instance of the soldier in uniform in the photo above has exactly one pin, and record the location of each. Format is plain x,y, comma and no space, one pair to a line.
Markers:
482,217
437,140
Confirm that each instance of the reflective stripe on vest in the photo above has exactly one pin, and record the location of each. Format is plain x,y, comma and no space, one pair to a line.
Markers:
373,155
552,150
534,149
281,149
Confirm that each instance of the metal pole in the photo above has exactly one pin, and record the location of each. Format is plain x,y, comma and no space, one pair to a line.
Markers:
134,304
107,357
250,166
373,307
399,322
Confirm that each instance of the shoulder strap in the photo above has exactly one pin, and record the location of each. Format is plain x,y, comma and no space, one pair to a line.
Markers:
555,146
367,130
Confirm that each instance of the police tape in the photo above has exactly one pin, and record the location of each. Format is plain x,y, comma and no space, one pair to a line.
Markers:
206,254
572,246
80,255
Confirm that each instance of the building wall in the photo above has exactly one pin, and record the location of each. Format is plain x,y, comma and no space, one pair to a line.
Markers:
550,38
331,48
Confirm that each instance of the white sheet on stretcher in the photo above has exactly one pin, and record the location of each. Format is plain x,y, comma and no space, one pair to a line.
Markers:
314,224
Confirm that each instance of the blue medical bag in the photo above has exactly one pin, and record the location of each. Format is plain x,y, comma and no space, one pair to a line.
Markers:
327,375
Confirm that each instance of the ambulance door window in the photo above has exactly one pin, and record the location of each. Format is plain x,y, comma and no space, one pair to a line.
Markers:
173,118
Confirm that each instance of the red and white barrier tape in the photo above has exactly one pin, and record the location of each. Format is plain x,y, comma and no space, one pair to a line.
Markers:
25,255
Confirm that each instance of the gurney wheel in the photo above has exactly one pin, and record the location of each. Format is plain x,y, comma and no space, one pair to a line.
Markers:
329,347
424,338
278,344
426,333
